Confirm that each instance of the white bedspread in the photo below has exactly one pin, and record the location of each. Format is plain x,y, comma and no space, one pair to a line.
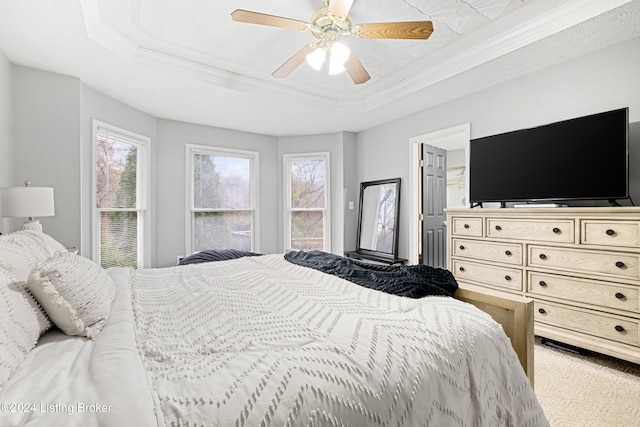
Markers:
262,342
259,341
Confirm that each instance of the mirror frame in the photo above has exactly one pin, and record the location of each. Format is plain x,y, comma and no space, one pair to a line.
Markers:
374,253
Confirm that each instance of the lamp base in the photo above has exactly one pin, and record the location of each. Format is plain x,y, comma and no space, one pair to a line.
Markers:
32,225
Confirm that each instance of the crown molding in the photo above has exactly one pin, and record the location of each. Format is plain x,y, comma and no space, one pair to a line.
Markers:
114,41
545,25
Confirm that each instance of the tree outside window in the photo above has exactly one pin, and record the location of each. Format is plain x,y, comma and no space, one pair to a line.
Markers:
120,219
307,219
222,212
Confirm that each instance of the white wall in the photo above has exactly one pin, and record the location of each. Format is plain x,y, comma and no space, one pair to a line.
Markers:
351,189
6,133
52,117
604,80
46,144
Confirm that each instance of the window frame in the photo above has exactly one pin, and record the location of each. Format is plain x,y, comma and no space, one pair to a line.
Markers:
143,187
254,158
326,230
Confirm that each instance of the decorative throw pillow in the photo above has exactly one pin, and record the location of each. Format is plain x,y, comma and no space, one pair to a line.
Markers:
22,250
75,292
22,321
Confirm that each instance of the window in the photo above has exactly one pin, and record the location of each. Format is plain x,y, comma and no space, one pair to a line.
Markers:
307,219
120,217
221,189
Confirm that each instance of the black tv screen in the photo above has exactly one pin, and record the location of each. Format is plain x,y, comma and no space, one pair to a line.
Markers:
585,158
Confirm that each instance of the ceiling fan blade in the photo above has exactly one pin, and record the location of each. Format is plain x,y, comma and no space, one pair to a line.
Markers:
241,15
340,8
395,30
294,62
356,70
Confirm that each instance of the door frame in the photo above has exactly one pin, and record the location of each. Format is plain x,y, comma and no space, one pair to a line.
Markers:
449,139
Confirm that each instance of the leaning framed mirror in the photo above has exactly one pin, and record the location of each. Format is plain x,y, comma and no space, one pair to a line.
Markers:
378,218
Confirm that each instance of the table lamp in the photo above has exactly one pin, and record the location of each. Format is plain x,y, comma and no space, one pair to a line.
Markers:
27,202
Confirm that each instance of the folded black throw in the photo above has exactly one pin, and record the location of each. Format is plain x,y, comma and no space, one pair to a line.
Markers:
413,281
215,255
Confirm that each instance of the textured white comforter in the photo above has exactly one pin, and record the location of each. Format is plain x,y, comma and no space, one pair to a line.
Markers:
259,341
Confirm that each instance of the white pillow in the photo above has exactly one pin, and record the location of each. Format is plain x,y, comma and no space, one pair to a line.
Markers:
75,292
22,321
22,250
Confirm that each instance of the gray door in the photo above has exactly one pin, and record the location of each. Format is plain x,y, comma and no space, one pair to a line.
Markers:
434,202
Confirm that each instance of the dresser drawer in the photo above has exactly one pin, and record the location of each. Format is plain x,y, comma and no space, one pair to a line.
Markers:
509,278
554,231
602,294
610,233
508,253
467,227
616,328
609,264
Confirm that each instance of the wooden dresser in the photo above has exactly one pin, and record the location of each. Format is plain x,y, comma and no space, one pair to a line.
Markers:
581,266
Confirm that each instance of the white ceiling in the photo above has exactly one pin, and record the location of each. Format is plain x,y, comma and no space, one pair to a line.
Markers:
187,60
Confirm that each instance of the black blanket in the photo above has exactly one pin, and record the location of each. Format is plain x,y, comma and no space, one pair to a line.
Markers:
413,281
215,255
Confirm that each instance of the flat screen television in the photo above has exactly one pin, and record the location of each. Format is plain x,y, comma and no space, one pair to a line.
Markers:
585,158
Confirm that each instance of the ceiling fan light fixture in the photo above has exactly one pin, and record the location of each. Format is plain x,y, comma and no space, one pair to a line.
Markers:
335,68
316,58
330,24
339,55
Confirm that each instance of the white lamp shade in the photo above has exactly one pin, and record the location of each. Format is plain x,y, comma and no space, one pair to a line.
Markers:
26,202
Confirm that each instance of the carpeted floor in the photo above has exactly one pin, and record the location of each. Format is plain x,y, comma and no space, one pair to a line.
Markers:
586,390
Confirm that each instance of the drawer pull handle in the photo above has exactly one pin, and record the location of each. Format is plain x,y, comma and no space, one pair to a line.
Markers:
542,311
620,295
462,247
507,278
556,230
620,264
461,268
543,256
507,253
466,226
610,232
619,328
542,283
498,228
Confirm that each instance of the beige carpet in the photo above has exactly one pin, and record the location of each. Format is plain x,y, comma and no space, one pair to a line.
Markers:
586,390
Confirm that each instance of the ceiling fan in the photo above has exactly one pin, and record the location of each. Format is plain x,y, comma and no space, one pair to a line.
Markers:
329,24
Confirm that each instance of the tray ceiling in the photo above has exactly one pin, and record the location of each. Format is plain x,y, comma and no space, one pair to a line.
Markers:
187,60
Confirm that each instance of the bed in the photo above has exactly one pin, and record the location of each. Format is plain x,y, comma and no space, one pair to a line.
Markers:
252,341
